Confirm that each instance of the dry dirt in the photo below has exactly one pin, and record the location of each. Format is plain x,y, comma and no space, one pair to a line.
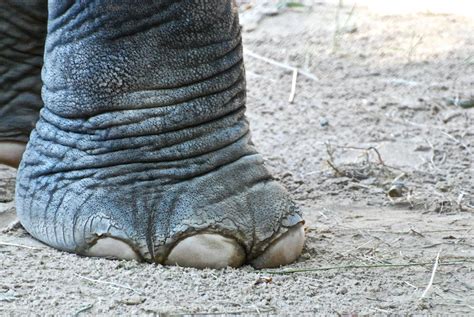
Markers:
384,111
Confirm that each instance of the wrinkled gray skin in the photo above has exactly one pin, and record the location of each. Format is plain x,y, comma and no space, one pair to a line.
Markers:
142,136
22,34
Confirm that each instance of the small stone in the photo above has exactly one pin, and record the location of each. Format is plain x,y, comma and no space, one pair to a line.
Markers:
8,296
323,122
263,280
442,186
342,291
133,300
396,190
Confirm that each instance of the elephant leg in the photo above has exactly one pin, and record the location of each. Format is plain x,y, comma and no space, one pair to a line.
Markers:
22,36
142,150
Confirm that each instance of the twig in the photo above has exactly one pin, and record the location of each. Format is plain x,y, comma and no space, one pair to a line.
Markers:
356,266
435,267
234,312
293,86
84,309
329,151
338,172
457,141
107,283
279,64
411,285
19,245
452,116
345,253
395,232
364,149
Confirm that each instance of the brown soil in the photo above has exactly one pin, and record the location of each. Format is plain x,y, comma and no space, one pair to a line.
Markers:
385,111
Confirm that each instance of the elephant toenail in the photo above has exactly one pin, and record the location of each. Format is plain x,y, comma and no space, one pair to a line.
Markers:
207,250
282,251
108,247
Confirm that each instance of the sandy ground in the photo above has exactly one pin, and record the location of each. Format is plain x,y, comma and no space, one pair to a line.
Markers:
383,115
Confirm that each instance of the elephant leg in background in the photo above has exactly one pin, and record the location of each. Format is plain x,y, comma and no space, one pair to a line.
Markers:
22,36
142,150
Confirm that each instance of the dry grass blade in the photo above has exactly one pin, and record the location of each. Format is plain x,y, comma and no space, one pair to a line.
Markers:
433,273
293,86
358,266
18,245
279,64
107,283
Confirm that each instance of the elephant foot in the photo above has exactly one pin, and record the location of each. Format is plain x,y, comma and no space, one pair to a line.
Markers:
228,215
11,152
208,250
142,149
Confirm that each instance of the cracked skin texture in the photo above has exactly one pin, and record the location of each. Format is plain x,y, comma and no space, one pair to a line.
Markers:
143,135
